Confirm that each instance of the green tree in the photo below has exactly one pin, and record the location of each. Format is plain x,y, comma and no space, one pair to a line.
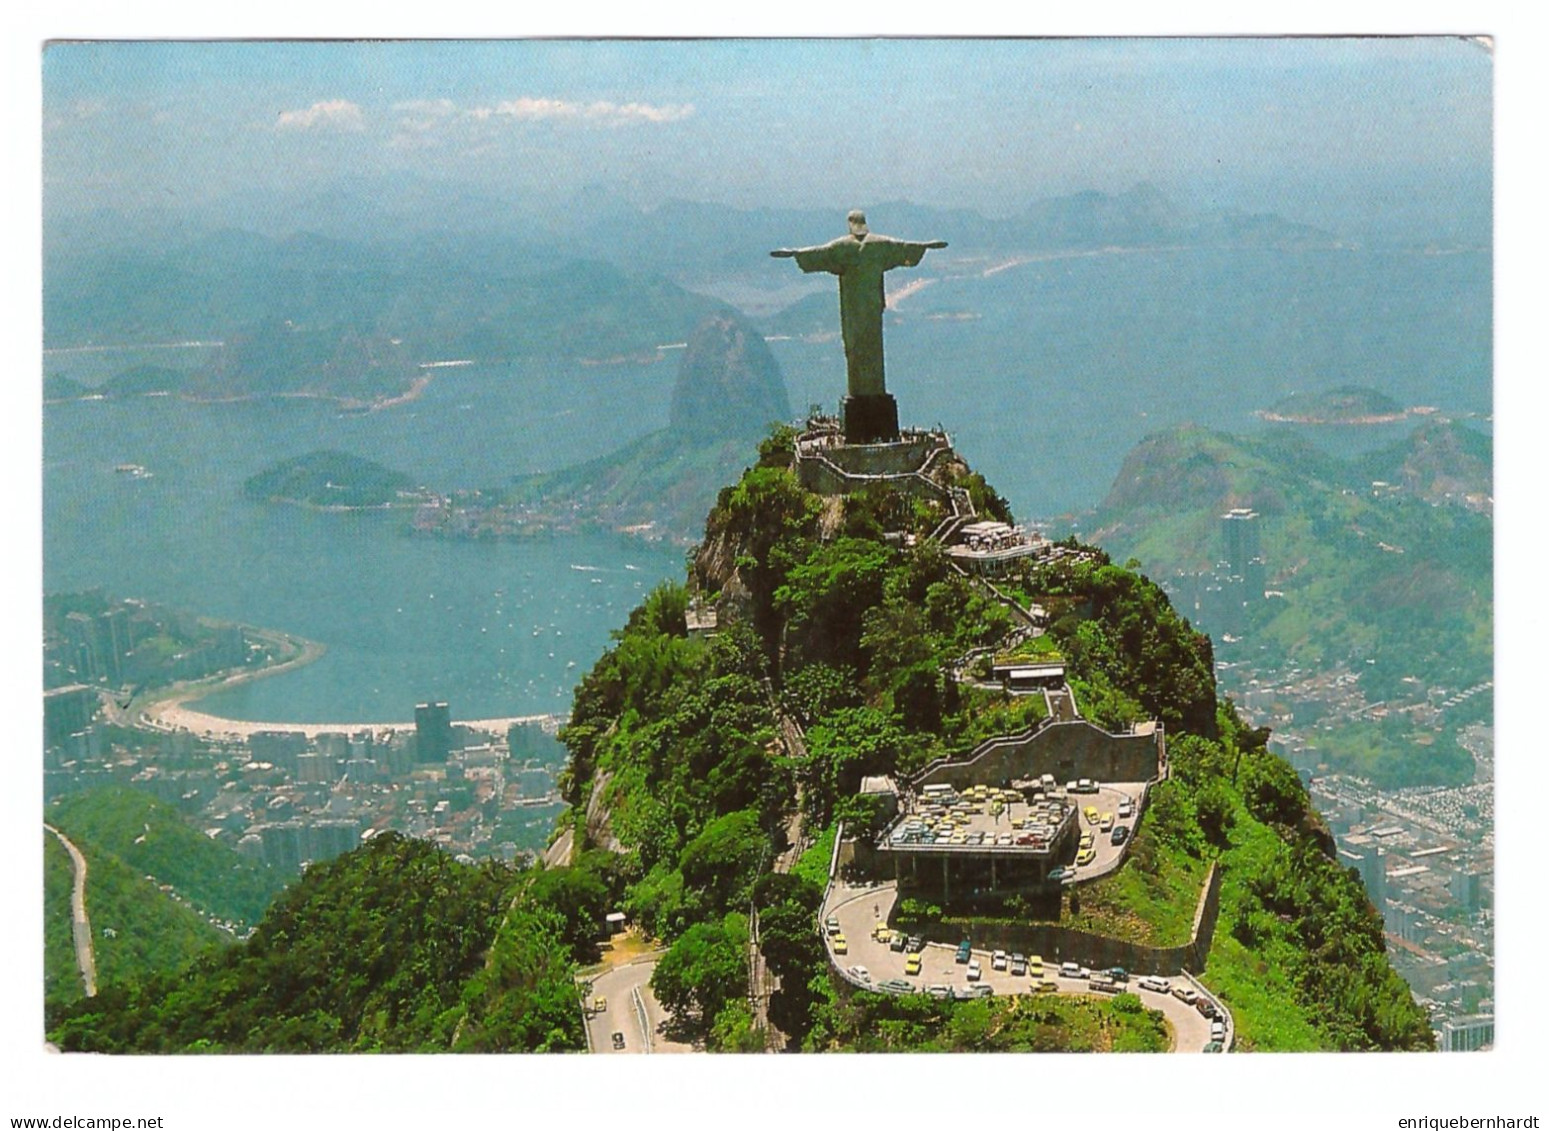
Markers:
702,971
723,860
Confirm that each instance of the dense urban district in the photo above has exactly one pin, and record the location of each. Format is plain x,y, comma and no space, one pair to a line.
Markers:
1351,601
885,772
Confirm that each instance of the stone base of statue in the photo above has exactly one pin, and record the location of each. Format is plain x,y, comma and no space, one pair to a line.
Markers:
869,419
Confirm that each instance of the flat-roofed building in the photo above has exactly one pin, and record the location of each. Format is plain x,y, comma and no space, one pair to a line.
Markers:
988,547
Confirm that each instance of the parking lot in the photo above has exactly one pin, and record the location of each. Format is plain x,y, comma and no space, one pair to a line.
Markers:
1066,835
1109,801
860,908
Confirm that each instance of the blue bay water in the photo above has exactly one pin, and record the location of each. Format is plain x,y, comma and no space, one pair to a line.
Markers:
1063,365
1046,373
496,628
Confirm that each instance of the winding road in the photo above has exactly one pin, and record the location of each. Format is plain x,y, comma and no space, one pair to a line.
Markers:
860,908
80,925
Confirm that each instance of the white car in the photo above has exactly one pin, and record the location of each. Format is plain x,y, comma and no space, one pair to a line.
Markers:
1156,985
998,960
975,971
1070,970
860,973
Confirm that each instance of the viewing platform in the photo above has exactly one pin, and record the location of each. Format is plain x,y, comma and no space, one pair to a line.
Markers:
990,547
828,465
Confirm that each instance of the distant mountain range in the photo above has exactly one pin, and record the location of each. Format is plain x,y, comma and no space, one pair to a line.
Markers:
729,391
1381,565
357,318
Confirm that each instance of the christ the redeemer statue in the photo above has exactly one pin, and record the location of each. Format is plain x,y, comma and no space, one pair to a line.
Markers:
860,259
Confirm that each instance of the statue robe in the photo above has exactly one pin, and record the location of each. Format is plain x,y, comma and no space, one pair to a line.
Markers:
860,264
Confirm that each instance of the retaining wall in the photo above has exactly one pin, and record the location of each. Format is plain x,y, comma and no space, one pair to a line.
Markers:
831,467
1067,750
1066,944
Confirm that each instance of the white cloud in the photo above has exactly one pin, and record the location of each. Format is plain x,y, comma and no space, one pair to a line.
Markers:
337,114
597,113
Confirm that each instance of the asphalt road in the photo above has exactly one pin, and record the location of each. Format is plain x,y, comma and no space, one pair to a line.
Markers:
632,1010
858,910
80,924
1105,800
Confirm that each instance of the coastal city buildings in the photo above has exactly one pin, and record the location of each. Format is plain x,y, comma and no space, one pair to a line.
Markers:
291,799
1424,853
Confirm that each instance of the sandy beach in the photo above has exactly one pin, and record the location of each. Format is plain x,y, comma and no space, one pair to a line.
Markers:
169,710
175,716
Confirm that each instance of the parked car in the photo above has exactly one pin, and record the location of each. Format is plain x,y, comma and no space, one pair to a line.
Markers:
1218,1031
912,965
599,1004
1120,834
841,945
898,942
1118,974
939,991
860,973
915,944
964,951
975,971
1070,969
1156,985
1188,995
831,924
1045,987
1085,857
618,1040
1213,1046
998,960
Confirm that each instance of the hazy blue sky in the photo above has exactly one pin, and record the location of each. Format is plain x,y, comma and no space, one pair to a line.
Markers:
1348,130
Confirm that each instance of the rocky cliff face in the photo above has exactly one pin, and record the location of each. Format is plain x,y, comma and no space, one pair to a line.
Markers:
729,386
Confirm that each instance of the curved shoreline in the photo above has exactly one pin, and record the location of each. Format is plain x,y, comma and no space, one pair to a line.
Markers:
167,709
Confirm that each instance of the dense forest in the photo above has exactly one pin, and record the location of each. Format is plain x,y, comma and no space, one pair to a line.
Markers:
681,798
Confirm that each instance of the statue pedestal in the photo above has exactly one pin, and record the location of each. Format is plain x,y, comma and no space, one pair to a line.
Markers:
869,419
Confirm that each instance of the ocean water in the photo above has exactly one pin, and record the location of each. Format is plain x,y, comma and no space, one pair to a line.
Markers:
1045,373
1048,373
495,628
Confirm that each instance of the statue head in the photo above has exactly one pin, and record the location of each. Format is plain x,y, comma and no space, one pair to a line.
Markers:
857,220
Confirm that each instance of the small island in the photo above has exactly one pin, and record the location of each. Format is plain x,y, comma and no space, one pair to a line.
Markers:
1348,404
332,480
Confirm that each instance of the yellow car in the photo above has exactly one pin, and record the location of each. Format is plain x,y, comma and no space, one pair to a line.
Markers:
881,933
1085,856
600,1005
912,964
1045,988
841,945
1105,822
1086,840
1090,813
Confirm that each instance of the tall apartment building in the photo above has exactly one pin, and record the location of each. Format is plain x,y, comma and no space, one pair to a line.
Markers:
432,732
